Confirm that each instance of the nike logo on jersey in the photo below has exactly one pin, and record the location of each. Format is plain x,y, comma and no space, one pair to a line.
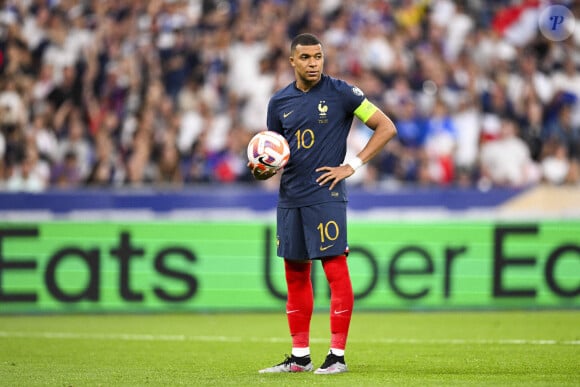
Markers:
287,114
341,311
292,311
324,248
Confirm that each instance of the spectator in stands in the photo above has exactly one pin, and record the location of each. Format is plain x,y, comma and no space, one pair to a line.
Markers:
246,51
440,144
66,174
562,129
557,168
168,161
41,132
74,140
467,121
532,125
31,175
506,161
567,79
528,82
407,147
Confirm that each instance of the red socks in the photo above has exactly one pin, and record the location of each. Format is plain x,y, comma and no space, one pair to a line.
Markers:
300,302
341,299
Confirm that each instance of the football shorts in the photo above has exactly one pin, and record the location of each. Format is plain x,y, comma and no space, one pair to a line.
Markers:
312,232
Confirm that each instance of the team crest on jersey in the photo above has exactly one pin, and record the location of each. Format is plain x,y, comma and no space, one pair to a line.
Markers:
357,91
322,112
322,108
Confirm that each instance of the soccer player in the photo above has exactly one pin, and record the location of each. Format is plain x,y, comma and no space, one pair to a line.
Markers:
315,113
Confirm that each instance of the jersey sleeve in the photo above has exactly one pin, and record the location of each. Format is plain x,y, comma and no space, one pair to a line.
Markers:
356,102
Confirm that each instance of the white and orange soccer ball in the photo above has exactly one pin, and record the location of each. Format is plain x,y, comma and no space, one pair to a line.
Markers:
268,149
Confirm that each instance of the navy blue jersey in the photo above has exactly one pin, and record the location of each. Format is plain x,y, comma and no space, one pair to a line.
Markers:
316,124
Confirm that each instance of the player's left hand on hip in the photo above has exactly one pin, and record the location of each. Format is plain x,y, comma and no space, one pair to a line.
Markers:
333,175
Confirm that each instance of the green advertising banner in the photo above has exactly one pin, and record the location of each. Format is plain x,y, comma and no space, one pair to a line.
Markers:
63,266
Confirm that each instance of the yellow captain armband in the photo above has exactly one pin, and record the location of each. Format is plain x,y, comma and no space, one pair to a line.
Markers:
365,110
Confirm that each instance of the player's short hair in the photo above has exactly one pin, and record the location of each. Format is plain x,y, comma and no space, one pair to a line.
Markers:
305,39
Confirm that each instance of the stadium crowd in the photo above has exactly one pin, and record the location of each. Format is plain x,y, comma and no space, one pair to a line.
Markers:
167,93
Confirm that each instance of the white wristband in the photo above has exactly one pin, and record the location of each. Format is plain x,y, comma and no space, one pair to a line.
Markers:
355,163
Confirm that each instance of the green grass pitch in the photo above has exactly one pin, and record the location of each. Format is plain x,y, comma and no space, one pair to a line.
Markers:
523,348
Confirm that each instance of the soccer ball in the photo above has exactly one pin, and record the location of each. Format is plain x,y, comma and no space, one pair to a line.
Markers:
268,149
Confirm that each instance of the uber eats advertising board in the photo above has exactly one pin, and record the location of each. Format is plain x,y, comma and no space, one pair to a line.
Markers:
63,266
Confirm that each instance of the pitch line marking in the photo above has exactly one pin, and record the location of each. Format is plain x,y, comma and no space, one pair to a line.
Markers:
234,339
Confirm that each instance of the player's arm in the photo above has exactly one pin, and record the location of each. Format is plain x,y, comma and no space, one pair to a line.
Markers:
384,131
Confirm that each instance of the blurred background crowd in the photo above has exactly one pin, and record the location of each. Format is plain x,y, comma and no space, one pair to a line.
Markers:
167,93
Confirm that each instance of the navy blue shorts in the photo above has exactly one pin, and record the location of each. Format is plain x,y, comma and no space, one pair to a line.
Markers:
312,232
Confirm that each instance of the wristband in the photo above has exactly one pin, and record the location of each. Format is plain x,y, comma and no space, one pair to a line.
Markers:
355,163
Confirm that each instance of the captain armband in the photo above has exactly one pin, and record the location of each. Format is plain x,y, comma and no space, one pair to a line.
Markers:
365,110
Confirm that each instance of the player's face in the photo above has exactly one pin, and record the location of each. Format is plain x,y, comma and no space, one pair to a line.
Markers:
308,62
